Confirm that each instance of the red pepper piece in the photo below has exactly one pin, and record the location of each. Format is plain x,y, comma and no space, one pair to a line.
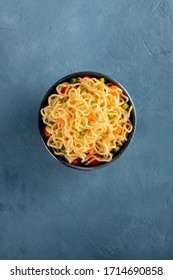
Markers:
95,162
46,133
64,90
75,162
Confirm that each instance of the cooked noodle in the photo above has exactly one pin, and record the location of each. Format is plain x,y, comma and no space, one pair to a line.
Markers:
87,120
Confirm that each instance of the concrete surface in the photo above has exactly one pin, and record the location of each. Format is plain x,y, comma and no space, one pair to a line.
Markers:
49,211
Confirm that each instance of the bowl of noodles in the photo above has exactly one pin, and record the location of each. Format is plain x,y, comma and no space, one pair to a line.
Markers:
87,120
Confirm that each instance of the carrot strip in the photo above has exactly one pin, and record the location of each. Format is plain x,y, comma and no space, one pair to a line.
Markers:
90,117
117,130
61,120
115,90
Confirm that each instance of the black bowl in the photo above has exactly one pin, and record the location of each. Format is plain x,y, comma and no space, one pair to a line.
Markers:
53,90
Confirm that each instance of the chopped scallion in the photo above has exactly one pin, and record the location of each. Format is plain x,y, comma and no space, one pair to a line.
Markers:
82,133
116,149
111,116
94,101
83,90
73,80
125,106
102,80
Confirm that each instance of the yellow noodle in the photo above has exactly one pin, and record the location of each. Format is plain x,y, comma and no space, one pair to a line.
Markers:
72,134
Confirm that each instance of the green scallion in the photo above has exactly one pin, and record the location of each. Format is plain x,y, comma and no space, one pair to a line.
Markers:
62,150
94,101
111,116
82,133
73,80
102,80
125,106
83,90
117,149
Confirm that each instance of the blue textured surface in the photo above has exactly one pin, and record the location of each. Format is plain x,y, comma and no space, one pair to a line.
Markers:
49,211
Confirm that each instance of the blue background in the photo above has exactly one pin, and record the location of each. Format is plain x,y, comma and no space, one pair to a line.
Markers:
47,210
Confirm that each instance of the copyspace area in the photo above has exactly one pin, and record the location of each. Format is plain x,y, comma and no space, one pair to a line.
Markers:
47,210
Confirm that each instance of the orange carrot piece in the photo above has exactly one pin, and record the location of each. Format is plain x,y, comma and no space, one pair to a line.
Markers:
90,117
117,130
61,120
115,90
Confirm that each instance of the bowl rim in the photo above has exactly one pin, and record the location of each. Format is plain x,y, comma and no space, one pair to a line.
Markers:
96,75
